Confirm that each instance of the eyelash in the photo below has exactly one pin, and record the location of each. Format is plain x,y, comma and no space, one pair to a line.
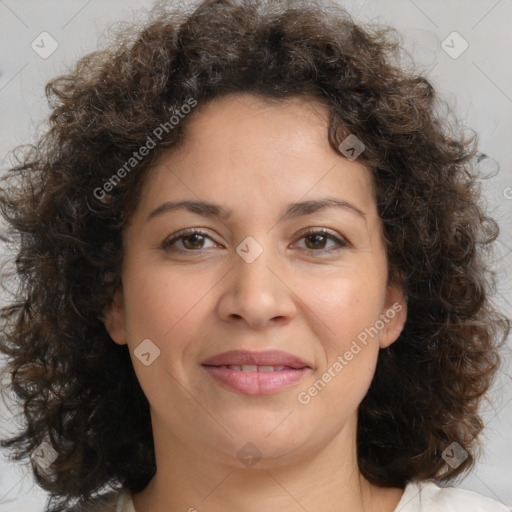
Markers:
168,243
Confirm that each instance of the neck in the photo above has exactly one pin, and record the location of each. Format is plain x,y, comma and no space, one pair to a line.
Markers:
325,479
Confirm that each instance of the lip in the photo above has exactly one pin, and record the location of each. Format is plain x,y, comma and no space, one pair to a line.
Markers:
248,357
256,382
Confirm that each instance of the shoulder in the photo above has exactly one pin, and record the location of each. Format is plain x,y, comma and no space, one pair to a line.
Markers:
117,500
427,496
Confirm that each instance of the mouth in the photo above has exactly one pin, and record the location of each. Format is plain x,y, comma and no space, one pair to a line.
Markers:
256,368
256,373
248,359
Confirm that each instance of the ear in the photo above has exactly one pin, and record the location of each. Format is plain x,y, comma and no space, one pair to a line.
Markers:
114,318
393,315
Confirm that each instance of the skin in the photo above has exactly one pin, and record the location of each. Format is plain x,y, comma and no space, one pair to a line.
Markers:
308,296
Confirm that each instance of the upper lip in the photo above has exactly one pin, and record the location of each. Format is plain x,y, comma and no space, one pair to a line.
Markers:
247,357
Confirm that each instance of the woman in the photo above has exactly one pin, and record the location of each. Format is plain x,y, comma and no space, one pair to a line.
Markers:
252,274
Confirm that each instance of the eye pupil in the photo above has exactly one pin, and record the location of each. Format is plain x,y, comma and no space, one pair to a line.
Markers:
189,237
316,237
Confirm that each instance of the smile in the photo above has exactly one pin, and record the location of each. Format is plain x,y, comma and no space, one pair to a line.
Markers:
254,368
254,379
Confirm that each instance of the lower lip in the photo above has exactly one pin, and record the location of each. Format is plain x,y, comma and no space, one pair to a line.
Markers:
256,383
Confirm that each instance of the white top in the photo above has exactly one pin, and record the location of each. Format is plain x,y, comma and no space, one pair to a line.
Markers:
429,497
418,497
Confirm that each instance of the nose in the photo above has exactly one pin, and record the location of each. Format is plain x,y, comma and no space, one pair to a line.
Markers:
258,293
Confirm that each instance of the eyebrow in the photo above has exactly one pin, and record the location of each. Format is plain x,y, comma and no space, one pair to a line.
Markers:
292,211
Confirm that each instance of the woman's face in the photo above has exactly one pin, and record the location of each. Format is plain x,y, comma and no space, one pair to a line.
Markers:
255,280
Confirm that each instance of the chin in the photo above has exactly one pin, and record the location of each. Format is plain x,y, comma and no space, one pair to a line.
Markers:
261,447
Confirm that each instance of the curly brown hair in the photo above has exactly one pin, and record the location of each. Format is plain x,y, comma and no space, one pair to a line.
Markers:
79,389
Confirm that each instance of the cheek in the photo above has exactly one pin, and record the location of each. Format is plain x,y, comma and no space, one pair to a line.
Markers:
159,302
164,307
347,305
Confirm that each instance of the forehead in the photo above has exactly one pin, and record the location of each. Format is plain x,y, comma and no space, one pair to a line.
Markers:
247,123
241,149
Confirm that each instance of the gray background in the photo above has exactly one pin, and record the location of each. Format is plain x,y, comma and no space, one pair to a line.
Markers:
478,84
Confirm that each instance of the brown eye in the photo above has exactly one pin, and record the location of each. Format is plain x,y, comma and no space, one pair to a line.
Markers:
190,241
193,241
316,241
